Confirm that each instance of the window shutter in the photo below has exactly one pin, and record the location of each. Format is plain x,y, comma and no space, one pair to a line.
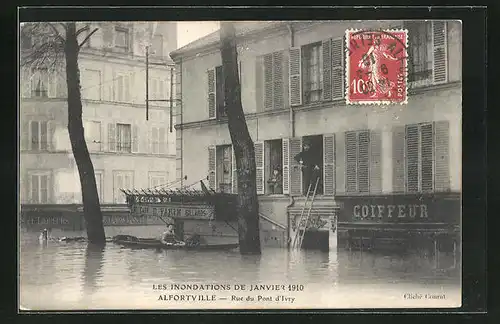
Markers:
135,139
427,157
259,167
24,134
268,82
62,89
439,50
295,82
286,165
212,167
211,93
363,171
26,83
234,178
442,162
52,84
51,129
107,35
351,157
259,83
329,164
398,159
161,135
278,84
375,161
126,87
338,77
340,162
327,70
412,158
112,137
295,170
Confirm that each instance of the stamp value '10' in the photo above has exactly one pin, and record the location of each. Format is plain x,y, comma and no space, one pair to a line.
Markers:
376,66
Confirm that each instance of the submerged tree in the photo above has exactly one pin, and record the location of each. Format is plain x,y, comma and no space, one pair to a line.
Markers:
243,146
55,41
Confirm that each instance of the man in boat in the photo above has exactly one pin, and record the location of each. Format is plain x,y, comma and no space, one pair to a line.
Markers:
168,237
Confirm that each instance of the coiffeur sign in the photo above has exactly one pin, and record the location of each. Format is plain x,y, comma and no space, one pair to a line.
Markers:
188,211
400,208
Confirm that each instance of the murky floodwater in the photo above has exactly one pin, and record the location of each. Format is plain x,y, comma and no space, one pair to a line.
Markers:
63,276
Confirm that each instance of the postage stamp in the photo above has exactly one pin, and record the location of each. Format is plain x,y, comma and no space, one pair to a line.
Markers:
376,66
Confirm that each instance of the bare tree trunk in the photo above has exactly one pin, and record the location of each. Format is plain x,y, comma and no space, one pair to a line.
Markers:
91,205
248,206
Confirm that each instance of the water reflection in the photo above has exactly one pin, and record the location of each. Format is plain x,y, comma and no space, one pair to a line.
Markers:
76,275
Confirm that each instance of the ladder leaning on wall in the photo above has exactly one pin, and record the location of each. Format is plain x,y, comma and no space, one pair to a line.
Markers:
304,217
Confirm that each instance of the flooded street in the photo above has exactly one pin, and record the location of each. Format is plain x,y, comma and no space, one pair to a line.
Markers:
71,276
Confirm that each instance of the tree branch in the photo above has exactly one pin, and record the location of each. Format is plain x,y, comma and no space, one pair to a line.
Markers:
57,35
87,38
81,30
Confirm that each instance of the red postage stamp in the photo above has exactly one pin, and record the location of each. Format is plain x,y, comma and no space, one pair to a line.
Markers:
376,67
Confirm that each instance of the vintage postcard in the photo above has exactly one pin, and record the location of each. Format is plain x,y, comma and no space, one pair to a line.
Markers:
240,165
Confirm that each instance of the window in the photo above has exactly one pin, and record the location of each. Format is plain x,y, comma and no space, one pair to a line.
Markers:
274,86
92,130
273,165
122,180
39,135
157,46
122,88
123,138
419,157
39,83
216,94
221,168
158,136
419,50
157,180
91,84
158,89
312,64
357,146
122,38
314,156
39,187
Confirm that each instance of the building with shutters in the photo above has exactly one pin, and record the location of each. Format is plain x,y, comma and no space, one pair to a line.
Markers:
126,150
386,169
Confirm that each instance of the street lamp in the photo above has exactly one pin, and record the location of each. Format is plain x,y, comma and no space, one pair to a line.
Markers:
171,99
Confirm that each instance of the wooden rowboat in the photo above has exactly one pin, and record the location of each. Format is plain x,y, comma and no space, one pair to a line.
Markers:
149,243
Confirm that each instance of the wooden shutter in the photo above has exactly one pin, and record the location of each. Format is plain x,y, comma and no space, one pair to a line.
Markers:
234,178
441,154
259,83
427,157
212,167
340,162
108,35
338,77
24,134
363,171
126,87
327,70
295,169
25,82
135,139
112,137
51,129
439,51
268,81
398,159
259,164
161,138
278,82
412,158
351,158
295,82
286,165
211,93
329,164
375,161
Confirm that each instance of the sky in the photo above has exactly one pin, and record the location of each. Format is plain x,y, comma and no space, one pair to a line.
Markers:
188,31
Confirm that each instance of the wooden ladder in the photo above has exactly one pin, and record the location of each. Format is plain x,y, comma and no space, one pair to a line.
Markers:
304,217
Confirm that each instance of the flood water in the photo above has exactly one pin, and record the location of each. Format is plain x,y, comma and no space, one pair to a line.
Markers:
75,276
